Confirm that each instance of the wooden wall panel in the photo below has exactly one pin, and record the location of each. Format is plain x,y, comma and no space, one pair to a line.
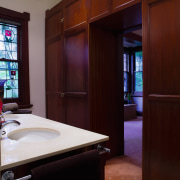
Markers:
106,87
54,21
54,24
164,48
98,9
55,107
75,13
164,142
76,112
161,91
76,61
54,66
117,5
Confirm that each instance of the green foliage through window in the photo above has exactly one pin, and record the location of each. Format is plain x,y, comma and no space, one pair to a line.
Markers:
138,73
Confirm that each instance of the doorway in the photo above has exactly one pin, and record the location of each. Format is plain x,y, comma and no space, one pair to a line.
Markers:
106,74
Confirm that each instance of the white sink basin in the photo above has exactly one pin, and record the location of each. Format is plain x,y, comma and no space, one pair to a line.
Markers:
33,135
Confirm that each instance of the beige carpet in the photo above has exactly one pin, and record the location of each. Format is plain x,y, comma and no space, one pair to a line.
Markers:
129,166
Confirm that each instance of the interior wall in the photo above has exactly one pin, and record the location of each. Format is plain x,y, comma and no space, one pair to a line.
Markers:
36,47
139,102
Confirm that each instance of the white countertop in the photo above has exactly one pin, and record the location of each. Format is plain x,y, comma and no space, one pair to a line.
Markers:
14,153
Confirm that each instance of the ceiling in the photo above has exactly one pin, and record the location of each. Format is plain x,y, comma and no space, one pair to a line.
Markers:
133,39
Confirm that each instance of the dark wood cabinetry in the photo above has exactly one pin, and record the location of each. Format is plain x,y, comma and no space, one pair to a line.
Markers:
98,9
102,8
161,89
121,4
87,59
54,63
66,63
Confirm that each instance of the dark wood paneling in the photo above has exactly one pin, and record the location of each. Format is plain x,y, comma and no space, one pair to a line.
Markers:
161,29
54,66
75,13
76,111
98,9
76,77
76,61
54,24
106,87
164,141
54,79
55,107
118,5
125,20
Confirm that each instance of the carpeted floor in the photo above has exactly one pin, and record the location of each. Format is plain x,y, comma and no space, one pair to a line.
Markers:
129,166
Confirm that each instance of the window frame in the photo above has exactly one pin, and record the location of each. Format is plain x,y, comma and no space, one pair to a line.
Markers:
24,87
128,72
136,93
131,51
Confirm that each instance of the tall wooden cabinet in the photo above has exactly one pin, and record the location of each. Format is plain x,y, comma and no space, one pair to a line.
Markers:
66,63
161,134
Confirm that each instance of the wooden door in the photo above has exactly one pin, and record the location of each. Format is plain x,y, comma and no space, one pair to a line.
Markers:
161,134
66,63
76,77
54,63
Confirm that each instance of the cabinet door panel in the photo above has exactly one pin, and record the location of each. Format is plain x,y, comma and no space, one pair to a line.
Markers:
121,4
98,8
54,63
54,19
76,62
161,27
75,13
55,107
76,112
54,80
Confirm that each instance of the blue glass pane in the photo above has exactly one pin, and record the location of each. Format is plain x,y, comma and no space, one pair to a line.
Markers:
9,71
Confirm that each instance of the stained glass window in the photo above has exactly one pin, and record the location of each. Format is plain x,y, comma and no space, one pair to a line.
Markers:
9,63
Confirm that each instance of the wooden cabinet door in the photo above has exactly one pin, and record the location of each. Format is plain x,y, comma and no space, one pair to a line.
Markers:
76,77
161,114
75,13
66,63
98,9
54,21
54,64
121,4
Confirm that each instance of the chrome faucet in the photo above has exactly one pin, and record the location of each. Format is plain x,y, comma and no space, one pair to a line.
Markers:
4,123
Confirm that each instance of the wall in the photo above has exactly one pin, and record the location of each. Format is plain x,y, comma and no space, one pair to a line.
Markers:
37,9
139,102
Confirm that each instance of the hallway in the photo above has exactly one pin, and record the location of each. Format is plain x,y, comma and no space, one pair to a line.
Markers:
129,166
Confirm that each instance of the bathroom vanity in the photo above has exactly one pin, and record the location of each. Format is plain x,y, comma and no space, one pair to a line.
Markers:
38,140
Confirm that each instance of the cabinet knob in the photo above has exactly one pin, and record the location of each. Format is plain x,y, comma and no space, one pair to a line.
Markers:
62,94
